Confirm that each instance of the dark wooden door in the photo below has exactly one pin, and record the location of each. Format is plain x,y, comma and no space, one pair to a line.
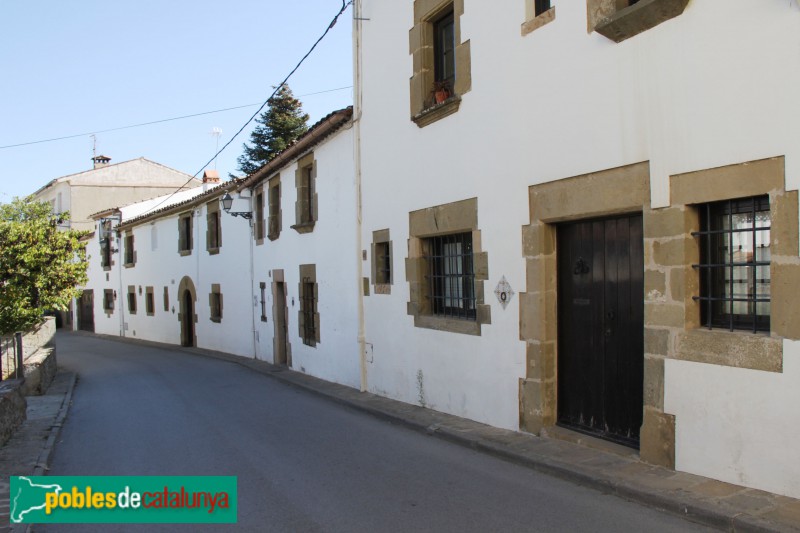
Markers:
281,353
86,311
188,319
601,327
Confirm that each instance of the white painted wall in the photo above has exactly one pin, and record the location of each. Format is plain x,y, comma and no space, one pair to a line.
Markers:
332,247
741,426
715,86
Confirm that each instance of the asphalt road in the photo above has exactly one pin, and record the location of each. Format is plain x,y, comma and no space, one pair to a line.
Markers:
303,463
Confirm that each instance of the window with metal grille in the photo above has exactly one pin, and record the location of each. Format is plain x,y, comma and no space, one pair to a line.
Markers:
383,263
540,6
215,303
130,258
274,211
185,233
308,303
307,215
263,287
149,301
444,49
260,216
734,266
108,299
132,300
451,276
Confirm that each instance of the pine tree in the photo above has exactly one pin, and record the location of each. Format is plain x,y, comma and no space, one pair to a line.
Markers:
277,127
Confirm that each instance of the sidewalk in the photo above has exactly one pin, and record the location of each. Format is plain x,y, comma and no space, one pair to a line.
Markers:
28,451
706,501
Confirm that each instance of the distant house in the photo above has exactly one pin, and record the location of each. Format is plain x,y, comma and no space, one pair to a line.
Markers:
106,185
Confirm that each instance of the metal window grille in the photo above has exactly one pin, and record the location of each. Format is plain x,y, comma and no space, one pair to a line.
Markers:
444,49
541,6
451,276
309,309
129,249
383,263
734,266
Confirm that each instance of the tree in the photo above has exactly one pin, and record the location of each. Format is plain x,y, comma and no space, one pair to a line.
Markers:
277,128
41,267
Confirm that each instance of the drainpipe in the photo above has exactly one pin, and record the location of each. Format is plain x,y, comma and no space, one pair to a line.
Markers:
252,277
362,344
122,299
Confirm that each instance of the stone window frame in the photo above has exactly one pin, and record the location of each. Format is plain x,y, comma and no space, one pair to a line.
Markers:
454,217
307,202
185,233
308,274
215,303
213,228
263,300
108,301
533,20
149,301
682,335
426,12
259,228
274,213
617,20
381,240
131,299
166,298
130,250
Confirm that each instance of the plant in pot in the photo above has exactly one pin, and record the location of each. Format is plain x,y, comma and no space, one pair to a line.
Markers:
441,91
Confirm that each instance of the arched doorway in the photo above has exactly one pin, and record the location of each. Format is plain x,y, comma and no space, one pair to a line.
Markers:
187,297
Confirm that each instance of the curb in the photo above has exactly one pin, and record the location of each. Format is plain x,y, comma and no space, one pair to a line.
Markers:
43,462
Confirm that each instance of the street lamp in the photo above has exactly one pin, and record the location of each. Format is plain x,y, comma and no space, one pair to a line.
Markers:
227,203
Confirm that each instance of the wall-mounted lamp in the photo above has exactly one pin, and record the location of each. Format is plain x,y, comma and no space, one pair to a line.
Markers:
227,203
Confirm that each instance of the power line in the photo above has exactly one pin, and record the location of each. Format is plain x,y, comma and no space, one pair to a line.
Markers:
160,121
254,115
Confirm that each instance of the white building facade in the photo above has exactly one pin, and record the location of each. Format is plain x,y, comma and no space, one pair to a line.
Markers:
596,228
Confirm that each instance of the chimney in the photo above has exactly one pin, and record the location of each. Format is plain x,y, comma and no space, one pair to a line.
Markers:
101,161
210,179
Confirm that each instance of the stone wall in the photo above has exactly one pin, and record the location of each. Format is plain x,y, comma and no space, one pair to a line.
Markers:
12,408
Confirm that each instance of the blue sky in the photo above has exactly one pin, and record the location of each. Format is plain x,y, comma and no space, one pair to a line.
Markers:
82,66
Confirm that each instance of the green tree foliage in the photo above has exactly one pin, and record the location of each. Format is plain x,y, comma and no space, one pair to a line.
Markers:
40,266
277,127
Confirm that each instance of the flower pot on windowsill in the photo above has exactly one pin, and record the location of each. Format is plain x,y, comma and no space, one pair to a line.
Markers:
441,91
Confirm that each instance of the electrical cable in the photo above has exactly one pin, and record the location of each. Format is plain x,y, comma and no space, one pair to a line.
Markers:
182,117
345,4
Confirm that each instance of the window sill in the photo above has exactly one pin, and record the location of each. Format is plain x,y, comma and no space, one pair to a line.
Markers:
273,236
129,265
263,319
437,111
538,21
383,288
184,253
453,325
216,320
151,314
638,18
304,227
738,349
213,251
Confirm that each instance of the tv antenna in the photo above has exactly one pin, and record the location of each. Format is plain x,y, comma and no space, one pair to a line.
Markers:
216,131
94,145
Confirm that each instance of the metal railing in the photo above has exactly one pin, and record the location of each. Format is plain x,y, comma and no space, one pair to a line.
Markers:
11,357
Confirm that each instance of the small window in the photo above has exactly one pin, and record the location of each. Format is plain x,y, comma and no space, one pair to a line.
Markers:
106,242
383,263
306,206
451,276
130,253
213,228
309,304
132,299
149,302
215,303
263,301
444,49
274,209
734,266
260,216
166,298
185,234
108,300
